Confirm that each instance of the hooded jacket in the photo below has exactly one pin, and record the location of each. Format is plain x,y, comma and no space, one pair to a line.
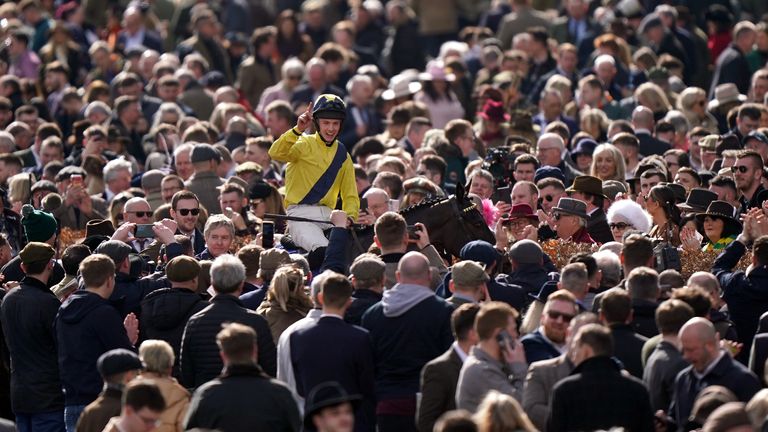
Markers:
164,314
87,326
409,327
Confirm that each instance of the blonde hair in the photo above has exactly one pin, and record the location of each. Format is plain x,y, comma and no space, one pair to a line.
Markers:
688,97
618,161
594,116
20,187
288,283
653,96
499,412
157,356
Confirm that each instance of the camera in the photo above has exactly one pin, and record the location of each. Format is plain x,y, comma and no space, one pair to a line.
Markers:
666,257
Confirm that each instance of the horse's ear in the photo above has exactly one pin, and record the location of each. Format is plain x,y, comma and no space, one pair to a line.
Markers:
459,192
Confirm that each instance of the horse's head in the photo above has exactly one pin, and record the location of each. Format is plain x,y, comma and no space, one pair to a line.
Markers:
472,224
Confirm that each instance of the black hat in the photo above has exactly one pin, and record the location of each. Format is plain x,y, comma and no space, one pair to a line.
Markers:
756,135
260,190
204,152
548,288
327,394
698,200
678,190
722,210
117,361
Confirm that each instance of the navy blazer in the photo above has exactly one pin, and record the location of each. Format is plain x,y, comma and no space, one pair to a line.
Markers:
537,348
151,40
332,350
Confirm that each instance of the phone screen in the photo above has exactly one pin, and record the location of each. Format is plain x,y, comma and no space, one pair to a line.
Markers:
144,231
268,235
364,204
503,337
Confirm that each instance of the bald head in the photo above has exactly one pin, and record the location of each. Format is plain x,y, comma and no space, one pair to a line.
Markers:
699,329
137,210
413,268
642,118
707,281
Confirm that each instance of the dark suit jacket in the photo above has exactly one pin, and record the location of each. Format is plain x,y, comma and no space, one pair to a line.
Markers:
627,347
438,388
26,157
650,145
758,355
537,348
660,373
597,226
349,132
332,350
457,301
731,67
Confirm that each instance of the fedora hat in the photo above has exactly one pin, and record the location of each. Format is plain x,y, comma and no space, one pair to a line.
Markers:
587,184
725,93
400,86
436,71
572,206
698,200
325,395
494,111
722,210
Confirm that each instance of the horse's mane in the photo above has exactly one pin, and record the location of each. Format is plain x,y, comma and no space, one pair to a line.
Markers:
429,202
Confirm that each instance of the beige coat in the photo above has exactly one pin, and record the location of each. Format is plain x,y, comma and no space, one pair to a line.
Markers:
176,402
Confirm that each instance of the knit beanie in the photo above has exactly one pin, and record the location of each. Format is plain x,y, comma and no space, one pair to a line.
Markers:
39,226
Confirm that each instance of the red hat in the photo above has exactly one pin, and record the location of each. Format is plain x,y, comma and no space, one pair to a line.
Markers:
523,211
494,111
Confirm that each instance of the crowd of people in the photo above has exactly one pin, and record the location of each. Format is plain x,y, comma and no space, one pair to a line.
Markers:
224,215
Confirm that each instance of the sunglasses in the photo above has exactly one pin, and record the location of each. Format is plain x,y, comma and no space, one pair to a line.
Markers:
295,78
555,315
142,213
185,212
742,169
549,198
620,225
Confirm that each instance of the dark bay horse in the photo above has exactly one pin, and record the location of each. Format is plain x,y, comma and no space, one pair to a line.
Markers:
451,223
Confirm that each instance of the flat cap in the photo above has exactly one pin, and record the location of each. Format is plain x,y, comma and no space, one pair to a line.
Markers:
36,252
205,152
368,268
151,179
182,269
469,273
117,361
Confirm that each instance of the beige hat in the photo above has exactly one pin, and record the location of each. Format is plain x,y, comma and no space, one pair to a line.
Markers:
725,93
469,273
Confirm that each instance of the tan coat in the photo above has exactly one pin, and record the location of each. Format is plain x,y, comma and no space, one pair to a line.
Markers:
176,402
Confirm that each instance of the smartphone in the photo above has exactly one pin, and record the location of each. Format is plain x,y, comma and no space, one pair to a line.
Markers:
364,204
502,194
267,235
505,338
144,231
76,179
412,230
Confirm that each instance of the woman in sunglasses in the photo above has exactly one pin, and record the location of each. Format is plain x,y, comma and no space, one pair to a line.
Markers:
627,215
693,104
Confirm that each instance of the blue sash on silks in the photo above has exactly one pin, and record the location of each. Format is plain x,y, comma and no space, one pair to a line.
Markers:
324,183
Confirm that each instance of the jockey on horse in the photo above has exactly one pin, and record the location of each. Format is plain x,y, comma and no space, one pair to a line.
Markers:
319,171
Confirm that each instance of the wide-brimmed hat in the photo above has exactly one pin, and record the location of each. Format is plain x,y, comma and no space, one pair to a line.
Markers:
722,210
698,200
725,93
436,71
587,184
522,211
325,395
400,86
571,206
494,111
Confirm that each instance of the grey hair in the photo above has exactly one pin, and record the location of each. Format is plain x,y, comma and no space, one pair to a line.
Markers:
227,274
292,65
358,79
679,121
218,221
97,106
317,284
186,147
7,142
609,263
114,166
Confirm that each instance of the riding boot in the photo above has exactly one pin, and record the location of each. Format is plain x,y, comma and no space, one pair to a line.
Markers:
315,259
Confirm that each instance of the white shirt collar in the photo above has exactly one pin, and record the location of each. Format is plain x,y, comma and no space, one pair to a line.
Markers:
462,355
332,316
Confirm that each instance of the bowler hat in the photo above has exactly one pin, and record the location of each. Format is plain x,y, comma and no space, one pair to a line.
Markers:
571,206
327,394
587,184
698,200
